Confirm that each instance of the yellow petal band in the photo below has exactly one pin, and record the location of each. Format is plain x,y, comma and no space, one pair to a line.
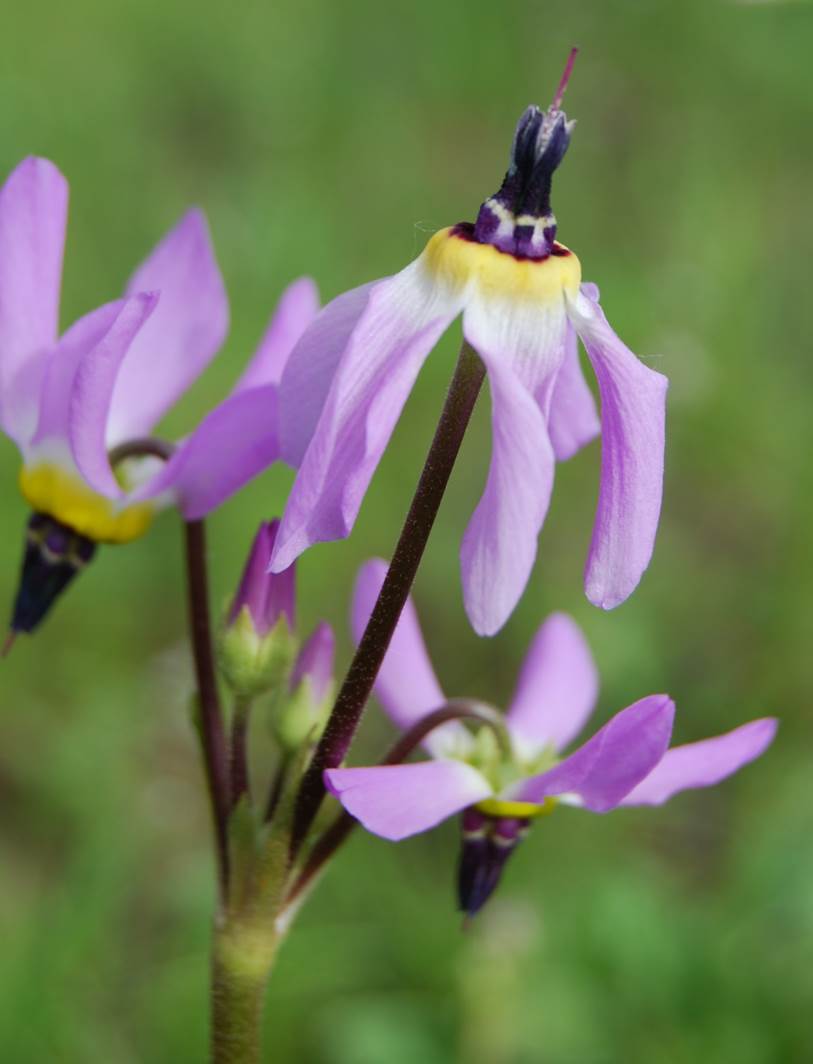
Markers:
51,490
519,810
453,259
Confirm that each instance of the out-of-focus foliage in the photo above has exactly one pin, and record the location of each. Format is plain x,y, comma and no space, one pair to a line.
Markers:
332,138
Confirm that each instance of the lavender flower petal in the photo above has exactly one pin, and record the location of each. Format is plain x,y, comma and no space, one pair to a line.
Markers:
61,365
557,687
298,306
406,685
633,400
607,767
400,325
233,443
184,334
310,369
499,546
92,390
395,801
33,214
573,420
703,764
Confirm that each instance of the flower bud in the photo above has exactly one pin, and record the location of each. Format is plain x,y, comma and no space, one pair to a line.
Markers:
310,689
257,645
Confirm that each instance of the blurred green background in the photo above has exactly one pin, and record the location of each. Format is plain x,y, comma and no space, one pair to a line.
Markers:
332,138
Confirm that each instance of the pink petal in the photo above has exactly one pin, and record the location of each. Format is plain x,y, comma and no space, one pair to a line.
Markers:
398,328
183,335
297,307
607,767
499,546
633,408
310,369
235,442
61,365
703,764
92,389
573,419
406,685
522,344
557,687
314,661
395,801
33,215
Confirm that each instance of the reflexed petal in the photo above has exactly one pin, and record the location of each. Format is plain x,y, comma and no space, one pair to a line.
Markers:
298,306
92,389
573,420
403,319
522,344
703,764
395,801
499,546
557,687
183,335
232,444
633,402
62,363
310,368
609,765
406,685
33,213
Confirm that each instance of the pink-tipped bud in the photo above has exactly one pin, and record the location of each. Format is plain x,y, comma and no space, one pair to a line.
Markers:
266,596
257,644
310,690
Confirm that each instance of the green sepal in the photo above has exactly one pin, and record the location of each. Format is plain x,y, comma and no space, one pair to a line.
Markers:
302,717
252,664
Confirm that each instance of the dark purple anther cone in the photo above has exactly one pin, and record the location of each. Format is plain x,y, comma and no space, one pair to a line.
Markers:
488,842
54,554
518,218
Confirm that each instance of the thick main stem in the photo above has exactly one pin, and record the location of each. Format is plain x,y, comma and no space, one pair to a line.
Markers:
242,961
212,736
358,683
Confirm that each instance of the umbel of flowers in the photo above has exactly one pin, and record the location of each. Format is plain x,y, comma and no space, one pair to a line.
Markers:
323,393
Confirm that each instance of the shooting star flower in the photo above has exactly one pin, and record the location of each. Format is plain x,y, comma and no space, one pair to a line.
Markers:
501,789
523,306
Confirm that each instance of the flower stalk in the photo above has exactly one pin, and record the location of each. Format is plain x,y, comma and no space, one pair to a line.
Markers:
335,835
210,717
358,683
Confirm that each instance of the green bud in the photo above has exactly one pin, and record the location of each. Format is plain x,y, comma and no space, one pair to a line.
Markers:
254,664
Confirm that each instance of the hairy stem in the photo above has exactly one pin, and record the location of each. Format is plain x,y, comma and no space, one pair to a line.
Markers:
238,754
242,960
212,736
358,683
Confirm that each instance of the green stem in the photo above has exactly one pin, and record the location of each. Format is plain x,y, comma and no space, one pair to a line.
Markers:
243,957
238,755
